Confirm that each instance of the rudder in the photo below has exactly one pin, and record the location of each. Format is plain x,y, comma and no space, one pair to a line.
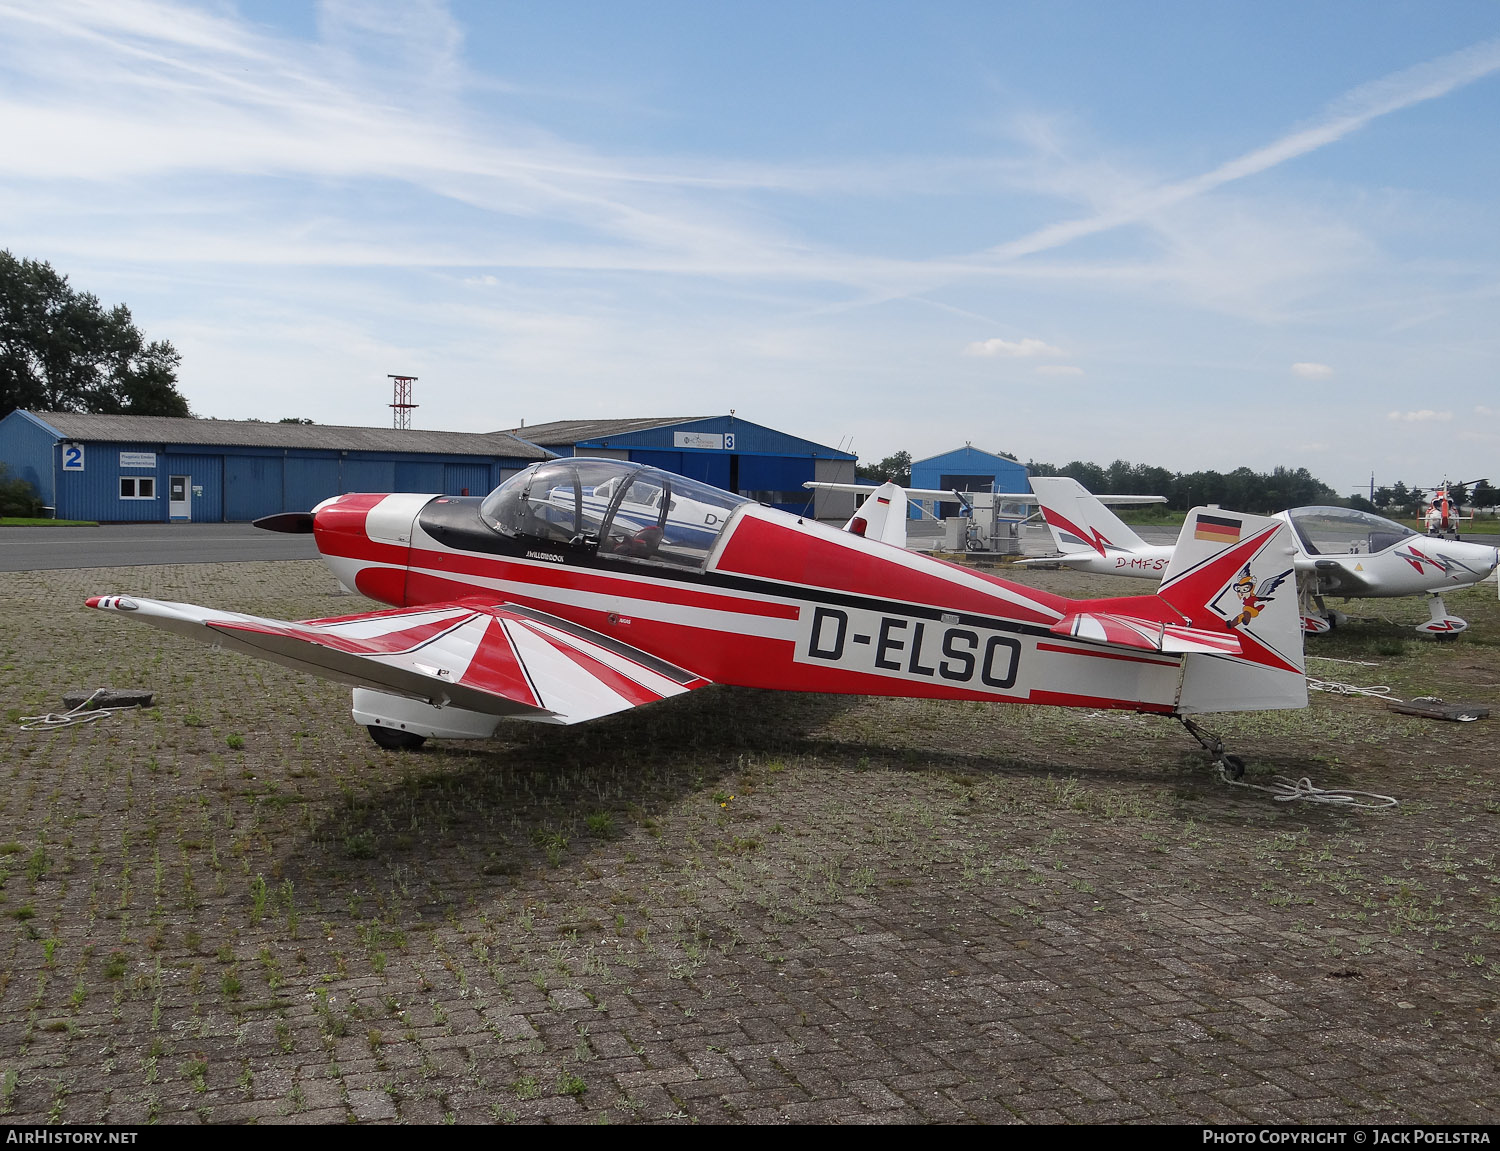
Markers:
1233,572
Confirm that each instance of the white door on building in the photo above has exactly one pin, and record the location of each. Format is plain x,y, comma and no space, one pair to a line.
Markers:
179,498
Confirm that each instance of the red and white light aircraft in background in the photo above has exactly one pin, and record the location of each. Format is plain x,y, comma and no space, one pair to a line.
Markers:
1443,512
562,596
1340,552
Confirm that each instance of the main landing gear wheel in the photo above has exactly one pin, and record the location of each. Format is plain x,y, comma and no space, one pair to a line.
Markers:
394,739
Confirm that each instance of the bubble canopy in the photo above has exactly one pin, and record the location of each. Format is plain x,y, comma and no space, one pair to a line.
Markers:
1330,530
620,509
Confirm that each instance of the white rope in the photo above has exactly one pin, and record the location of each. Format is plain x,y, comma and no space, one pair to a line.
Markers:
1285,790
54,720
1334,687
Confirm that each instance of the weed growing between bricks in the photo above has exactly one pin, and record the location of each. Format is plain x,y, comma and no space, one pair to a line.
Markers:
233,907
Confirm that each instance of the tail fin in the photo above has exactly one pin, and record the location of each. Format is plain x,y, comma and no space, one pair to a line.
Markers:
882,516
1235,573
1078,521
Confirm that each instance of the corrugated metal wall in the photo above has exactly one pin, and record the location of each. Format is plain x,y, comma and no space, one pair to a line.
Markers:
710,467
467,480
777,480
310,480
418,477
29,452
206,472
366,475
253,486
237,484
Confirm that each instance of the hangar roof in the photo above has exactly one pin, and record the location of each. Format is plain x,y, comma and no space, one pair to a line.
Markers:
577,431
251,434
665,433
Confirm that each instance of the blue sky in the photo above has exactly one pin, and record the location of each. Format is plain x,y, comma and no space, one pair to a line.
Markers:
1184,234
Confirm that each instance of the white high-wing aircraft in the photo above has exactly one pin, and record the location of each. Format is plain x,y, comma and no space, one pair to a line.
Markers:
1340,552
892,521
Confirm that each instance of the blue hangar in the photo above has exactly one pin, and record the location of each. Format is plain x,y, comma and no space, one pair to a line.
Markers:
756,461
121,469
968,469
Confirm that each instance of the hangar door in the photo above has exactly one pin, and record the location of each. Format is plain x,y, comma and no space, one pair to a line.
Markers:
466,479
710,467
252,487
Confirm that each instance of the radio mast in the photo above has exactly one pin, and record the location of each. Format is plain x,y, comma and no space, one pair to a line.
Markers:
401,404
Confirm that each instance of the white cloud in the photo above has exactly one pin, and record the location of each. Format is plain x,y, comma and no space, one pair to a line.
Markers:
1311,371
1482,410
1426,415
1059,370
1013,348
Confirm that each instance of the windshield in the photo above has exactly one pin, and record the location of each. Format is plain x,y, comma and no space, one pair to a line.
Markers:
623,510
1342,531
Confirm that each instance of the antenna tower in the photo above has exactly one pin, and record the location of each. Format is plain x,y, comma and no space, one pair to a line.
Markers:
401,404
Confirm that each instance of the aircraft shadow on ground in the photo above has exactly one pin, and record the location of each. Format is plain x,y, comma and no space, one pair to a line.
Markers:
513,804
543,797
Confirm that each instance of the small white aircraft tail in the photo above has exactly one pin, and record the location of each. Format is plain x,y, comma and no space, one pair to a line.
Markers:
1079,522
882,516
1236,572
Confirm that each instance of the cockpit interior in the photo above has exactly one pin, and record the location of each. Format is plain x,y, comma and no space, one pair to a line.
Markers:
614,508
1345,531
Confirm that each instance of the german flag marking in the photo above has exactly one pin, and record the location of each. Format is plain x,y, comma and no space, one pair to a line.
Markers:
1217,529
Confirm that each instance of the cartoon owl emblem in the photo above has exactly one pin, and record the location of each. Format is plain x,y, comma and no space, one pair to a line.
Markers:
1253,600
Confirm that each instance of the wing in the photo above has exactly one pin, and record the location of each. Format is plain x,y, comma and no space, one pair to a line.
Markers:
949,495
505,661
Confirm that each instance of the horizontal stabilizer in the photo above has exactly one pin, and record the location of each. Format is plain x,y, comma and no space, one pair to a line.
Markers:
1125,631
499,661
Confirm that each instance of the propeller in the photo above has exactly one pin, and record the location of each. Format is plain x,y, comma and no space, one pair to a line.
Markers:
292,523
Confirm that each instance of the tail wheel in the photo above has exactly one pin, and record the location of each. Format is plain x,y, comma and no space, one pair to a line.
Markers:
1232,766
394,739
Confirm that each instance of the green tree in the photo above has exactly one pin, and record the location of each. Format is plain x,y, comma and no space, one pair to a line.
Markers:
63,351
894,468
17,497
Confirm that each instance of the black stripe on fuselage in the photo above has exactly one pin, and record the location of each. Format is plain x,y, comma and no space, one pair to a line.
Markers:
455,524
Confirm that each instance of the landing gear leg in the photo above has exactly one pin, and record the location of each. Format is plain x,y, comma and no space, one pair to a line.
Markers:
1441,623
1316,618
1232,766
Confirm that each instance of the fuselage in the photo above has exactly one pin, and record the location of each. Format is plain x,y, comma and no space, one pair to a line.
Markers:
776,602
1375,558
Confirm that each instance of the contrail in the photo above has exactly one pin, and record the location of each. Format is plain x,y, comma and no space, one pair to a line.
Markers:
1353,111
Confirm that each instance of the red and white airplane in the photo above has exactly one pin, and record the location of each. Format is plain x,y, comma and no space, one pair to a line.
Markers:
1340,552
545,602
1444,513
